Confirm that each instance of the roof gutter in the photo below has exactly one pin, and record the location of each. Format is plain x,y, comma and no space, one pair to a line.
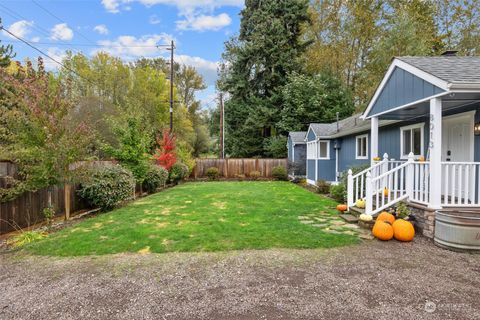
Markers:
464,86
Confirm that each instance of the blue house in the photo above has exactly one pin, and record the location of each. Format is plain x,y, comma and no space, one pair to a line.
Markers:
297,149
419,139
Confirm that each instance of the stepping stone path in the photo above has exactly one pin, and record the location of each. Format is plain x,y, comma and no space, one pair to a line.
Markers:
334,224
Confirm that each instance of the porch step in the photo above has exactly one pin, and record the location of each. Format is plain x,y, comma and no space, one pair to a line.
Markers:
349,218
355,211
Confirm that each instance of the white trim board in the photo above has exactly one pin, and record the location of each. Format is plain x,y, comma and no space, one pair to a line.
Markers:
442,84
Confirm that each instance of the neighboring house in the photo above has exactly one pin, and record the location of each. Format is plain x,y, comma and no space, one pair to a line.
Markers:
296,153
425,118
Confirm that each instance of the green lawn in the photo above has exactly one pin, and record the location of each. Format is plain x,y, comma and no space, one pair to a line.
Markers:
203,216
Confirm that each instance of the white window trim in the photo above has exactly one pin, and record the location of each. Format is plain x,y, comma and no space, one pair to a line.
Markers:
357,146
328,150
422,139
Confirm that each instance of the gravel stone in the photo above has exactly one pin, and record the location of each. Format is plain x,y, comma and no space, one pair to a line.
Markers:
372,280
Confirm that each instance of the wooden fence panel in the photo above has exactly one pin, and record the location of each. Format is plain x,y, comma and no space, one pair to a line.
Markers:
231,167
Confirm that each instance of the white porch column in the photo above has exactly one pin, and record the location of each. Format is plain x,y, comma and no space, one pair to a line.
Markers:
435,147
373,139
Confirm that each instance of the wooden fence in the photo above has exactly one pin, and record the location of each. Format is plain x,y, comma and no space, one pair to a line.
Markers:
27,209
231,168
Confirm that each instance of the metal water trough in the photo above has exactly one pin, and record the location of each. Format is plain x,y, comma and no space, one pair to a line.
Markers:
458,229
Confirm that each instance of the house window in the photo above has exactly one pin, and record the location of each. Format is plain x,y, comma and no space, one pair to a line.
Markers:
411,140
311,150
323,149
362,147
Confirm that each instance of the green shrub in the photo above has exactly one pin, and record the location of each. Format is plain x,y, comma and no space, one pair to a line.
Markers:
280,173
178,172
49,214
338,192
343,182
106,187
155,178
212,173
25,237
323,187
254,175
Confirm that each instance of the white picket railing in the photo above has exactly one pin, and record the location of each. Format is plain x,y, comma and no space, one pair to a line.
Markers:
388,188
420,192
461,181
356,184
388,182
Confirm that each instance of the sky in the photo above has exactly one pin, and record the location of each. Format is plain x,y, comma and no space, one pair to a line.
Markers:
128,29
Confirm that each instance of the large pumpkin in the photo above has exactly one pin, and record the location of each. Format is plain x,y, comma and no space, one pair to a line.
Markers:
403,230
385,216
360,203
342,207
383,230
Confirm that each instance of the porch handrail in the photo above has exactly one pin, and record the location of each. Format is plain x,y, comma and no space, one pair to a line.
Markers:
461,183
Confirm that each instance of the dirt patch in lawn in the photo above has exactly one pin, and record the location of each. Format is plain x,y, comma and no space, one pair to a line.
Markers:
374,280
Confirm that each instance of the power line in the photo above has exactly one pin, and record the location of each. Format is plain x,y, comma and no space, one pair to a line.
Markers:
43,53
86,44
59,19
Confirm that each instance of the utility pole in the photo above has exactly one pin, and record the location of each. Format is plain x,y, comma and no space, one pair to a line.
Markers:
222,128
172,47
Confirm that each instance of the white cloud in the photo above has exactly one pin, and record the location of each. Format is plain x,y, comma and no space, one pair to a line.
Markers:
20,28
62,32
130,47
197,14
57,54
208,69
204,22
35,39
111,5
184,6
101,29
154,19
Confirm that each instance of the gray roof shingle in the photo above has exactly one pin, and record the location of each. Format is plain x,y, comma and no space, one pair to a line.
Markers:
452,69
329,129
297,136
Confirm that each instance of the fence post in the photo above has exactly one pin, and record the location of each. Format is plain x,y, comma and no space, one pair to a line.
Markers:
350,202
368,194
409,175
67,193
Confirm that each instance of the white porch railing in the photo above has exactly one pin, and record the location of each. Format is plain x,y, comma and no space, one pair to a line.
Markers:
461,184
356,184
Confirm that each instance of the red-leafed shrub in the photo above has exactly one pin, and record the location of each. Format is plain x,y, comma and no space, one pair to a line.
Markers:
166,155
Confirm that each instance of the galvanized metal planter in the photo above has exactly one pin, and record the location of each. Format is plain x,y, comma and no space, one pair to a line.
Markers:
459,229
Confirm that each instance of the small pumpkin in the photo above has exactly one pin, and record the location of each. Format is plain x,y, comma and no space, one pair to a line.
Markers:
342,207
403,230
365,217
385,216
386,191
376,159
360,203
421,159
382,230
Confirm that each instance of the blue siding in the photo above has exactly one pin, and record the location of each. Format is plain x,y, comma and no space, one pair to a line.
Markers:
401,88
311,169
346,154
310,135
326,168
389,139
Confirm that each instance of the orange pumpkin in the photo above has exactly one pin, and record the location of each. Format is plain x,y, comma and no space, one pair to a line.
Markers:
385,216
403,230
342,207
383,230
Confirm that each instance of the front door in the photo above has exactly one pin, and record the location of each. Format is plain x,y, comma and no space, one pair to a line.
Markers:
457,138
457,146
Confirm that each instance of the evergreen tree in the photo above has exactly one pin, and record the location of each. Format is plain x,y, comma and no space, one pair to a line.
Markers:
256,67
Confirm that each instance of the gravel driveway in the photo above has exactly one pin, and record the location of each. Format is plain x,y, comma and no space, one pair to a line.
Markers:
373,280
